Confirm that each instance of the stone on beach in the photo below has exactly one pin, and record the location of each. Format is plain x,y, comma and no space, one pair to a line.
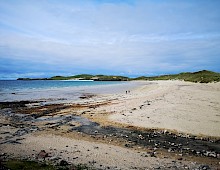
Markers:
42,154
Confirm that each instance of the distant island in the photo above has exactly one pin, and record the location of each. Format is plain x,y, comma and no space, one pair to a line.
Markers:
83,77
203,76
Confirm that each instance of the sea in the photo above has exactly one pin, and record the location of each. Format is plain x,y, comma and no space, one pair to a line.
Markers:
58,91
20,85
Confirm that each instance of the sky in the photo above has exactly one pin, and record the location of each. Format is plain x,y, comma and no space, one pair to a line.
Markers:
44,38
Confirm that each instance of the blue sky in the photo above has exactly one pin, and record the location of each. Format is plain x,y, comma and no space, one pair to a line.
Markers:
44,38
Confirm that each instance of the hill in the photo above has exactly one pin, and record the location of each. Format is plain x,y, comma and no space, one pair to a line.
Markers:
83,77
80,76
203,76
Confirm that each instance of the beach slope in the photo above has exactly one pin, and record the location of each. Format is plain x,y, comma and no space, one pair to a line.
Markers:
180,106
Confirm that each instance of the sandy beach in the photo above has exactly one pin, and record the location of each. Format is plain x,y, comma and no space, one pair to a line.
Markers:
172,105
156,125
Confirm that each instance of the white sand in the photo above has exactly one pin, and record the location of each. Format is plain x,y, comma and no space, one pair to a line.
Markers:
175,105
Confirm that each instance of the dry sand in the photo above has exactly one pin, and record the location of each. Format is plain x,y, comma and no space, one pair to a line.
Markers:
174,105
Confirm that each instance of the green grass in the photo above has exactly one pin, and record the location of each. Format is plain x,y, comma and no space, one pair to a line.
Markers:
32,165
203,76
82,167
27,165
83,76
112,78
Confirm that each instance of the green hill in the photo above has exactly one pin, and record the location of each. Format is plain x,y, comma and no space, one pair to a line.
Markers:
81,76
91,77
203,76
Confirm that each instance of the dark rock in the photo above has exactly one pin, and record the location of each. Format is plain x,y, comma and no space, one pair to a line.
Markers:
127,145
204,167
152,154
63,163
157,167
42,154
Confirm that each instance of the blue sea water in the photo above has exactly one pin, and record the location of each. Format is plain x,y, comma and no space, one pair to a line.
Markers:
19,85
59,91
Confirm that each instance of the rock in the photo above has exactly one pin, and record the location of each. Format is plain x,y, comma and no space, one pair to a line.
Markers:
3,154
54,158
140,136
127,145
42,154
63,163
152,154
158,167
204,167
170,150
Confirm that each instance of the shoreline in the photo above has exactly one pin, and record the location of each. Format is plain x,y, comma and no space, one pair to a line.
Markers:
110,121
68,94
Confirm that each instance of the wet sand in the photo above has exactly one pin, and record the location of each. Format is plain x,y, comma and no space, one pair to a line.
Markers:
161,124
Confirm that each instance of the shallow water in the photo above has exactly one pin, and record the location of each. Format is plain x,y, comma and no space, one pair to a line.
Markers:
64,91
19,85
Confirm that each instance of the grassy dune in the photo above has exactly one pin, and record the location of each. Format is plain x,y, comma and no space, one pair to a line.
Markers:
203,76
